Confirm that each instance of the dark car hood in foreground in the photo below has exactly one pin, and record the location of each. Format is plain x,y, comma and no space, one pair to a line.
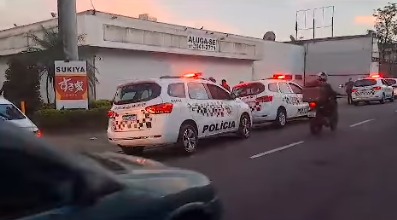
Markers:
157,179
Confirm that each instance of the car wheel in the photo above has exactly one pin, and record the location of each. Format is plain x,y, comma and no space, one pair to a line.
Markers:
188,138
244,129
281,119
355,103
137,151
383,100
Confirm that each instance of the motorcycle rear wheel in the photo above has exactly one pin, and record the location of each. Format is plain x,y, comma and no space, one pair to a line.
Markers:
315,127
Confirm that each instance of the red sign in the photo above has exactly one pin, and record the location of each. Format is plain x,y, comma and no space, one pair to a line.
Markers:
71,87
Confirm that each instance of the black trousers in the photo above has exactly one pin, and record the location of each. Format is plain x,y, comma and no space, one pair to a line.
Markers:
349,98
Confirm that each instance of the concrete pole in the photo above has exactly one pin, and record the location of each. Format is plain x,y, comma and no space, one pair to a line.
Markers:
67,26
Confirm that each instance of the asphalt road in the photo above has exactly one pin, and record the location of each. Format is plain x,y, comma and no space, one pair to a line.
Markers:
289,174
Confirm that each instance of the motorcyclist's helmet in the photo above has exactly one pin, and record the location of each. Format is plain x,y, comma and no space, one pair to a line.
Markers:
322,76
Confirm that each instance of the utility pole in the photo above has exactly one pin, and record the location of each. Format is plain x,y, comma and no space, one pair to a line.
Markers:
67,28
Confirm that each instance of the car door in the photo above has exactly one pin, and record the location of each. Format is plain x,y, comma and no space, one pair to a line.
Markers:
303,107
388,88
201,110
289,99
226,108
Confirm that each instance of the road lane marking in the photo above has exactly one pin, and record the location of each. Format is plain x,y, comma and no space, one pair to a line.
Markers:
276,150
360,123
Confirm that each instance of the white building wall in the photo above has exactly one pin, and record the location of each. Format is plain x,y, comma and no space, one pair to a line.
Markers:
279,58
118,66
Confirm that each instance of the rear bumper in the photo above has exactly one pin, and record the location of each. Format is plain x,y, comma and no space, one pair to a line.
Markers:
143,138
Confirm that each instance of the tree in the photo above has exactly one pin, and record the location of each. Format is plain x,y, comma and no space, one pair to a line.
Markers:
48,49
23,84
386,25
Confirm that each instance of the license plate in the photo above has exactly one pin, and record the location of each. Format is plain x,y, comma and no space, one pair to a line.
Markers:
129,117
311,114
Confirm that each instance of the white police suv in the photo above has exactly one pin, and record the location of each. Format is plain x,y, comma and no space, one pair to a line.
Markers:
373,88
170,110
273,99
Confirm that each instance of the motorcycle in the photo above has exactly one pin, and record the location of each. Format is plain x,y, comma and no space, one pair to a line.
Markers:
321,117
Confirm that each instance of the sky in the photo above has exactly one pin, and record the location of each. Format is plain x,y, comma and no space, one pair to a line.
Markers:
243,17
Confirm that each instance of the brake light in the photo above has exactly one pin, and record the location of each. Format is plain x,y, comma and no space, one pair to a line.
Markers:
164,108
312,105
39,134
375,76
354,90
266,98
112,114
377,88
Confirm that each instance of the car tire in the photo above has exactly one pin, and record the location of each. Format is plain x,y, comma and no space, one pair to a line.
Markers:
244,129
383,100
188,138
281,119
355,103
137,151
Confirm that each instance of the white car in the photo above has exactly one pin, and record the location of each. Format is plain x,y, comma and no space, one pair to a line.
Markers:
10,113
170,110
273,100
372,88
393,83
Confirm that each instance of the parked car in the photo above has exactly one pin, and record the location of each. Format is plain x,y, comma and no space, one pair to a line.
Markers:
174,109
373,88
10,113
40,182
276,100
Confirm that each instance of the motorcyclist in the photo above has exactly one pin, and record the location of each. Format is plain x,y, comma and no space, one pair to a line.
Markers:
330,94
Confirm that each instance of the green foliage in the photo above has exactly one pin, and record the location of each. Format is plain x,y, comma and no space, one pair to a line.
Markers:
101,104
386,23
61,120
23,84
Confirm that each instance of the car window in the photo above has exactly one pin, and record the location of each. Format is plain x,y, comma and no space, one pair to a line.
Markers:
32,185
10,112
218,93
273,87
284,88
295,88
248,89
177,90
137,92
197,91
365,82
391,81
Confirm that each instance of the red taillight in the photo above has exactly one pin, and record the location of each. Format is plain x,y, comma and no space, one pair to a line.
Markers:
164,108
312,105
39,134
266,98
377,88
354,90
112,114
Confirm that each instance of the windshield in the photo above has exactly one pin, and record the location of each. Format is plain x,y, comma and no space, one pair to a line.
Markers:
10,112
391,81
137,92
365,82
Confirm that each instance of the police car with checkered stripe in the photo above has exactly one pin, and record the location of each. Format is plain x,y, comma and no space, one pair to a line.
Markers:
274,99
170,110
373,88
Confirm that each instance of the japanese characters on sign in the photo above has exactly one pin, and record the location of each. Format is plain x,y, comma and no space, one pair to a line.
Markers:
202,43
71,84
